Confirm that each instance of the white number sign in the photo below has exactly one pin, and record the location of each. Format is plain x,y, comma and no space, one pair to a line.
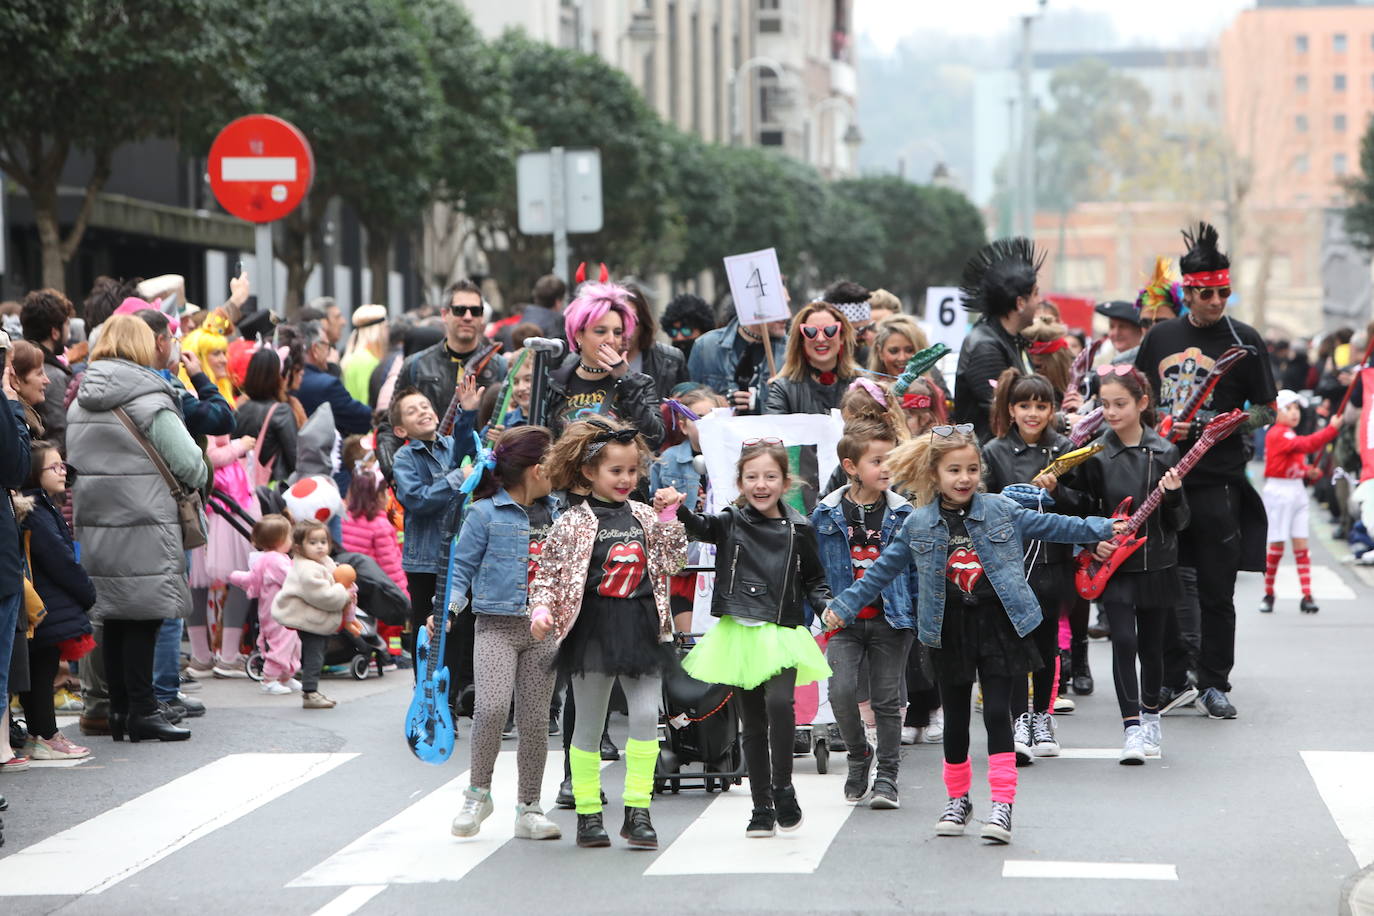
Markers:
946,321
756,287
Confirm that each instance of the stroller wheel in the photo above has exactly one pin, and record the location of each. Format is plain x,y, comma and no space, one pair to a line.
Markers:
358,667
252,664
822,757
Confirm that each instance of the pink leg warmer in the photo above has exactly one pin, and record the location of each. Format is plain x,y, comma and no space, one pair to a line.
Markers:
1065,632
1002,777
959,777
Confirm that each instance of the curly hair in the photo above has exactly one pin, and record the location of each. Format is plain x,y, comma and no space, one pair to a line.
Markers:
44,311
914,465
573,454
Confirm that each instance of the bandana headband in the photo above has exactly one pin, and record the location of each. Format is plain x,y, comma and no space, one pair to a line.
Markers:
1045,347
1208,278
916,402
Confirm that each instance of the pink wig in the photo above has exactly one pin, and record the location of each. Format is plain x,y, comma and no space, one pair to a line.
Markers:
593,301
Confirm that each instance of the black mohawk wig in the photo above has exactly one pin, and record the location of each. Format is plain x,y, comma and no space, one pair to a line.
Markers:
1203,255
1000,272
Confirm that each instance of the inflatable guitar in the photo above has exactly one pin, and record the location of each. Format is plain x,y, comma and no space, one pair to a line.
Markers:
918,366
1201,393
503,402
474,366
1092,574
429,720
1070,460
1081,363
1087,426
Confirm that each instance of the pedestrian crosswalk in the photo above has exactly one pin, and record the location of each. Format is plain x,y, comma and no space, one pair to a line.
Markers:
1342,778
1327,584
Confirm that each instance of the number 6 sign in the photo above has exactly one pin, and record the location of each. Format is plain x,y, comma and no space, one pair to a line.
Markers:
756,287
946,321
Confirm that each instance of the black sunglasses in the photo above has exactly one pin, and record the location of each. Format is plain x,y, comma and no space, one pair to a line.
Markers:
472,311
1207,292
811,332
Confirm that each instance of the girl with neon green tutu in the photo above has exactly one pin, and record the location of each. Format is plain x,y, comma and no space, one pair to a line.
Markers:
767,562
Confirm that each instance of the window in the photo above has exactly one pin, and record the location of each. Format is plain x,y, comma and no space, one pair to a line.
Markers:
1338,82
1338,42
1300,123
1300,164
770,138
770,15
1338,123
1300,43
1300,82
1338,163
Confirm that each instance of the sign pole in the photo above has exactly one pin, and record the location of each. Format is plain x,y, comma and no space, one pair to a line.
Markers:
265,285
768,350
558,212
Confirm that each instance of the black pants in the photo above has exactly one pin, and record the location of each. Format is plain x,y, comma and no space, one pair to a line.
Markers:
39,714
1211,542
1137,632
769,729
996,714
458,643
128,654
312,659
1182,633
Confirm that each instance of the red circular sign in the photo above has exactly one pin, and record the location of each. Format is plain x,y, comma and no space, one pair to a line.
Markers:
260,168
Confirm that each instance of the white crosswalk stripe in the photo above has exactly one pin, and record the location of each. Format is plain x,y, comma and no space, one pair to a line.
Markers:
1342,778
1327,584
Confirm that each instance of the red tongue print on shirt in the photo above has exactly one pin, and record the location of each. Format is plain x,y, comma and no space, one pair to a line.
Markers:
536,549
862,558
964,569
623,570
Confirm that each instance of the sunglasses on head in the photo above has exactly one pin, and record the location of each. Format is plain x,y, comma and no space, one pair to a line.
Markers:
1118,369
1206,293
811,332
944,431
472,311
761,440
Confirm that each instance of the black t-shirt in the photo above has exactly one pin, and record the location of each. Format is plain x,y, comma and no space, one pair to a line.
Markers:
586,398
620,553
965,581
541,520
865,525
1176,357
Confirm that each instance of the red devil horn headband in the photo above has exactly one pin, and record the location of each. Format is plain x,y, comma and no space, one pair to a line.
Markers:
581,276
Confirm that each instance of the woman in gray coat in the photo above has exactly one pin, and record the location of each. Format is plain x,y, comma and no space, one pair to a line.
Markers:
126,516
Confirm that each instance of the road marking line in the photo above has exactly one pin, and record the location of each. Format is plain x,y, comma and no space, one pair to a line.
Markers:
1116,871
1327,584
715,844
1342,779
1089,753
125,840
60,764
410,849
350,901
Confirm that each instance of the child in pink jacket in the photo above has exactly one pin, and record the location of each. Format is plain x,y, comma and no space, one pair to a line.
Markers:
268,566
368,529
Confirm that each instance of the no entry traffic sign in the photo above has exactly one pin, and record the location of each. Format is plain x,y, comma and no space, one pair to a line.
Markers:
260,168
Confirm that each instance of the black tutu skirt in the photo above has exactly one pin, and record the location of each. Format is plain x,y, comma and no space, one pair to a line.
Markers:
979,639
1152,588
614,636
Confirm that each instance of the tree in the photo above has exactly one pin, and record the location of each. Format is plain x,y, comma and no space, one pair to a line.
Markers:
92,75
1359,214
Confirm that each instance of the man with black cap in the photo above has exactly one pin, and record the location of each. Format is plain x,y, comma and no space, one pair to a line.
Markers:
1228,528
1124,331
1000,282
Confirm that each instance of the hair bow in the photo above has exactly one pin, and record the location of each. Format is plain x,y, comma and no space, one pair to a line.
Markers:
485,461
607,435
872,388
282,354
913,401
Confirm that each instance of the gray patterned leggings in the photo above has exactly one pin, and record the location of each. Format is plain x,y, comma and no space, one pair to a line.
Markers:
506,657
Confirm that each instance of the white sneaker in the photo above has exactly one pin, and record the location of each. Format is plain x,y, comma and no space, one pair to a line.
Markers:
531,824
871,734
1151,734
1043,741
294,684
911,734
275,688
935,731
1133,750
229,668
1021,738
476,808
1064,704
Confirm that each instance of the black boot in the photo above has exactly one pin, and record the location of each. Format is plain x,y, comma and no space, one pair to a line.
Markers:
856,786
591,831
156,727
785,804
1065,667
638,829
565,795
118,722
1082,674
608,749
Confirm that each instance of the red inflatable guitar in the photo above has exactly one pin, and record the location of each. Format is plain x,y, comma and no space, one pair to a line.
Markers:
1201,393
1092,574
474,366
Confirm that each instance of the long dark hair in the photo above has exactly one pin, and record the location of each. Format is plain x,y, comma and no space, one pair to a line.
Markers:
1013,387
517,450
1137,387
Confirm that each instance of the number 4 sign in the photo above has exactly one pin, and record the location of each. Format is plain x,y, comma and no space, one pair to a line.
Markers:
756,287
946,321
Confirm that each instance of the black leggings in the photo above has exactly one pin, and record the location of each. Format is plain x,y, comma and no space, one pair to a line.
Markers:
770,724
1046,639
128,654
458,642
39,714
1137,631
958,697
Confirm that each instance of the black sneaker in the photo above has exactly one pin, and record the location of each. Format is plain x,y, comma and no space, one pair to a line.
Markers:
1082,678
1216,704
998,827
638,829
785,803
1021,739
172,714
1267,604
591,831
1308,606
856,786
554,727
955,818
189,707
762,824
1171,699
884,796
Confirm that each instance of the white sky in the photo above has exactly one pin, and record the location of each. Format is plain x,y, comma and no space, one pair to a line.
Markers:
886,22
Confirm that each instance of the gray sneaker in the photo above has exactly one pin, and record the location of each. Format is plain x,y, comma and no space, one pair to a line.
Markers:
530,823
476,808
1151,734
1133,750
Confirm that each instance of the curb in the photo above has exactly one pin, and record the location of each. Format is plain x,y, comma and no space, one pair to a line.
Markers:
1357,894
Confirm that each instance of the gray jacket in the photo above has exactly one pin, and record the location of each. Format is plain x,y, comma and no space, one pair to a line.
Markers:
124,513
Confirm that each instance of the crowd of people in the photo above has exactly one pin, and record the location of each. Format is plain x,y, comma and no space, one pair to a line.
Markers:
210,493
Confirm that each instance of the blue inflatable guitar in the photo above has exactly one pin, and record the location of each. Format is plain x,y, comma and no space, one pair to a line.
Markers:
429,720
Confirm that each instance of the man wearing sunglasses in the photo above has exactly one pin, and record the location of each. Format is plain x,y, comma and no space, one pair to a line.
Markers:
1228,528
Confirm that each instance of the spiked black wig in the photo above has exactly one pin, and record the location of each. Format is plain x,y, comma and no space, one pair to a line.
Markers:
1204,262
998,274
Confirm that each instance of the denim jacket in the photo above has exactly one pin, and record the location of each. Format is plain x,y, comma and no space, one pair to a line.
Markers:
674,468
997,526
426,480
716,354
832,532
493,555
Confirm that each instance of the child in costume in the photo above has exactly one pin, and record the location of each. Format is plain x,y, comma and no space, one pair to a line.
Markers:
602,589
974,608
268,566
767,562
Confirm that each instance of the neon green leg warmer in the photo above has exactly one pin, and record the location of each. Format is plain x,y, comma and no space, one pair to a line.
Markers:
640,759
586,779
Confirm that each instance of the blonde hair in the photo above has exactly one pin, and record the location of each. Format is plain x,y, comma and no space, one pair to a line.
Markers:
904,325
202,342
882,299
794,358
375,337
914,465
126,337
569,455
858,403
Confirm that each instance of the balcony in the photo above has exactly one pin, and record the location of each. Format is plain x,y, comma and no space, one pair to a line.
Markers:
843,79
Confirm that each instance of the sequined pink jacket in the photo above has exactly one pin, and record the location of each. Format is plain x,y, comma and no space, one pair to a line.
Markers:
562,575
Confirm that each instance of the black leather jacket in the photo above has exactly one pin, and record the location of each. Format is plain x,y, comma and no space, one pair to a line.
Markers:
765,567
1010,460
787,395
1117,472
666,366
279,441
988,350
636,402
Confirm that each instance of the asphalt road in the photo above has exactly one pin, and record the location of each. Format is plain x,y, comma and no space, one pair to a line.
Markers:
274,809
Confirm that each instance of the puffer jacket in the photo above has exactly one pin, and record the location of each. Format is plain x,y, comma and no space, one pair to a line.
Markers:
376,538
60,580
310,600
765,567
1008,460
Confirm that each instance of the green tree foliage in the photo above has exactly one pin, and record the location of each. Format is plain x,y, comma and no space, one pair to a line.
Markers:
91,75
1359,215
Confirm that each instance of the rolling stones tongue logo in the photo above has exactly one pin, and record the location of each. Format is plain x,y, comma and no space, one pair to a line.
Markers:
623,570
963,569
536,550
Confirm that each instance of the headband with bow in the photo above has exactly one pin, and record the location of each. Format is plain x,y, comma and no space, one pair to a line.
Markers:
873,388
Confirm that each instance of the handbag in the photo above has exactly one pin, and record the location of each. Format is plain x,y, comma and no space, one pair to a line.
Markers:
33,602
259,474
190,513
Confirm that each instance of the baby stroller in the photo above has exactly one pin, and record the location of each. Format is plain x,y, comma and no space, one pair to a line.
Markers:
816,732
359,651
701,725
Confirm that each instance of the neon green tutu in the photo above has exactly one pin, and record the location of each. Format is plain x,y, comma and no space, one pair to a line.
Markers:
744,656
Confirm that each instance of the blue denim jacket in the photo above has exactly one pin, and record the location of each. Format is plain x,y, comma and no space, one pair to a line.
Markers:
716,354
426,478
832,534
997,526
674,468
493,555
